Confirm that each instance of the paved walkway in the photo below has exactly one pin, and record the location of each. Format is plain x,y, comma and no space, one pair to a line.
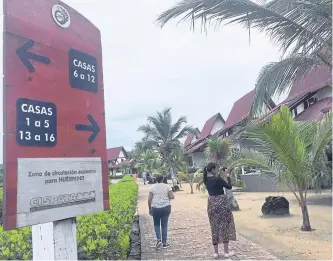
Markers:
189,232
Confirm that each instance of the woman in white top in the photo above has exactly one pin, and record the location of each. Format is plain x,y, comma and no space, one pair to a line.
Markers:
159,198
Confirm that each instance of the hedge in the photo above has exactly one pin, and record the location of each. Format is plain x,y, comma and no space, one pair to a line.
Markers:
116,177
104,235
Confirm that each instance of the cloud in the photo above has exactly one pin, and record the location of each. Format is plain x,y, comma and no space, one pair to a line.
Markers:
147,68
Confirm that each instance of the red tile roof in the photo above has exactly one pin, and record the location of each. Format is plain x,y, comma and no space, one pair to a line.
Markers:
196,147
119,165
240,110
316,111
113,153
189,138
206,130
315,80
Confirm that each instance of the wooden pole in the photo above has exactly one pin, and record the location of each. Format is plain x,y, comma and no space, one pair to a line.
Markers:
55,240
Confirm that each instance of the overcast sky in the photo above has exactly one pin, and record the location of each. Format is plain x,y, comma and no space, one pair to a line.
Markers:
147,68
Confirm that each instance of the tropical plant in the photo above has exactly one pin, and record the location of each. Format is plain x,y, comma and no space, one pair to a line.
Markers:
160,168
302,29
147,160
218,150
141,146
189,177
179,159
100,236
293,151
164,135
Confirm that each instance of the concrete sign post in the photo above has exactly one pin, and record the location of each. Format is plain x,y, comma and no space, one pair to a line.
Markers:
54,123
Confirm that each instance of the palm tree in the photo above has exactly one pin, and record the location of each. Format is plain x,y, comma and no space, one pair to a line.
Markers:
141,146
293,151
147,160
302,28
164,135
218,150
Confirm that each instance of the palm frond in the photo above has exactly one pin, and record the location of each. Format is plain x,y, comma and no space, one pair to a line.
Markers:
176,127
322,137
183,132
278,77
287,22
250,157
218,150
280,140
146,129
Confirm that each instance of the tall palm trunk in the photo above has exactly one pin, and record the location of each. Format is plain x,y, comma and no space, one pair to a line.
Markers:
306,226
171,170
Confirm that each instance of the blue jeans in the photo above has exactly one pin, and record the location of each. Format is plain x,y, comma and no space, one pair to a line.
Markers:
161,218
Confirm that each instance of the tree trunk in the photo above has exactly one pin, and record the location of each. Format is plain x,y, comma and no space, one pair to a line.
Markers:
191,185
306,226
171,171
232,200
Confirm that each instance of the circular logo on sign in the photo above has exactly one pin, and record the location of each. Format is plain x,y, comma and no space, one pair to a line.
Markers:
61,16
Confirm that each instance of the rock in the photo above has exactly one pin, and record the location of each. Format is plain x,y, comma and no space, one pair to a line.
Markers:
275,206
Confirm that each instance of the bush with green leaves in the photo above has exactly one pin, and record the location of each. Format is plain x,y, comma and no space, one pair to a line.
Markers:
1,197
115,177
104,235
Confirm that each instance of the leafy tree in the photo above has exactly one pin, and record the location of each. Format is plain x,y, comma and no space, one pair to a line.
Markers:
218,150
302,28
164,135
293,151
147,160
189,177
160,168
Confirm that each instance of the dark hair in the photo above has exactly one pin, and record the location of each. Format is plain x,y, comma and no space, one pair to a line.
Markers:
210,166
159,178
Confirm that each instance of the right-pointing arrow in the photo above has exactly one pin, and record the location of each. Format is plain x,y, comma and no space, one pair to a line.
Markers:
94,128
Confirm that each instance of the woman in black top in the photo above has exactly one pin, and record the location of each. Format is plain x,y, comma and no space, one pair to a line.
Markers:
219,212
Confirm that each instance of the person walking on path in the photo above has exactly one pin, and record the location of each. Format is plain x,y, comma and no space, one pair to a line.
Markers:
144,177
219,212
160,195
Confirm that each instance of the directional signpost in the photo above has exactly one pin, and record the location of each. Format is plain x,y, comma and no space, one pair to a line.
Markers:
54,123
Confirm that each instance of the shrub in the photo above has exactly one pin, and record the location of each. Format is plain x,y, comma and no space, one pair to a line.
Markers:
104,235
116,177
16,244
1,197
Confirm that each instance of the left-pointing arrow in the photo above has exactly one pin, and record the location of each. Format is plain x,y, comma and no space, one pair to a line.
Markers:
94,128
26,56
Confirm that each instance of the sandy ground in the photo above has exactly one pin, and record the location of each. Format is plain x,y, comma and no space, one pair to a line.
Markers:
282,235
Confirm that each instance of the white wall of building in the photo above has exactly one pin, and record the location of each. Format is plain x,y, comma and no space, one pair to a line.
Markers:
197,158
218,125
300,108
121,156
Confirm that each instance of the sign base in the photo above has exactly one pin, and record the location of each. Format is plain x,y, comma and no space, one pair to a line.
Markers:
55,240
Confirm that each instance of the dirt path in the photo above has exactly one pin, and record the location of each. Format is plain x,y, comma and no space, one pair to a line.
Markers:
189,232
280,236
